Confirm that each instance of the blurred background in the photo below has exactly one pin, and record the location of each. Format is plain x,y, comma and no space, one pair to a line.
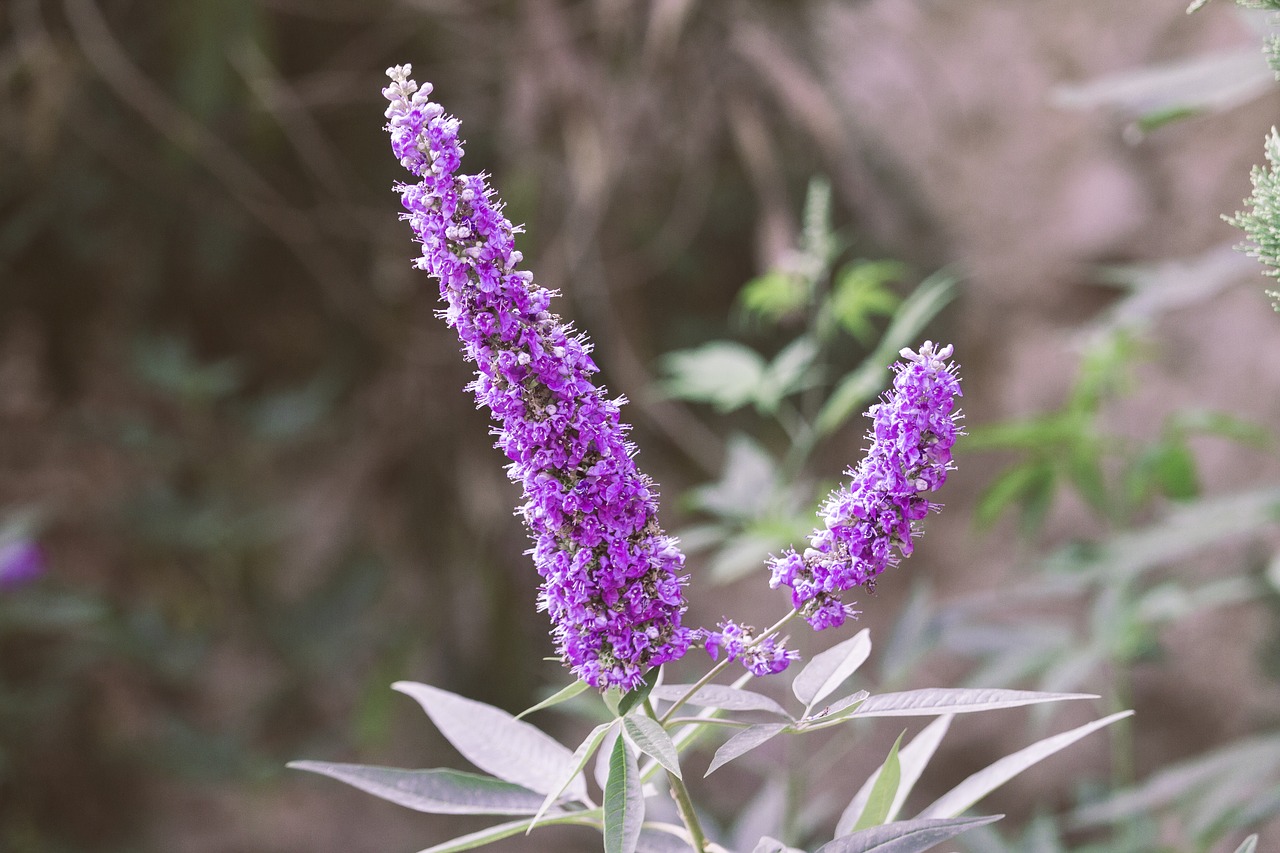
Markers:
242,489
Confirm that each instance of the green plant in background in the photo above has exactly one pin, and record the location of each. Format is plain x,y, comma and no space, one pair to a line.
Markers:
1092,612
822,308
1117,477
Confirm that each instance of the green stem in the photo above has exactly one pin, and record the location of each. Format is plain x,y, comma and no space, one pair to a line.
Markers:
684,804
1123,772
720,667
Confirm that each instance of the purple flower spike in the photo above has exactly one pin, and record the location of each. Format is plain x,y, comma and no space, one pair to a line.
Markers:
21,562
612,579
914,427
764,657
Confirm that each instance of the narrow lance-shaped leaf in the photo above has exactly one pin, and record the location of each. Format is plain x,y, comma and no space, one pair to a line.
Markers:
1249,845
908,836
635,697
954,700
883,791
652,739
827,670
657,837
743,742
482,837
912,759
720,696
563,695
977,786
439,791
495,741
1178,780
623,801
726,374
580,757
773,845
836,710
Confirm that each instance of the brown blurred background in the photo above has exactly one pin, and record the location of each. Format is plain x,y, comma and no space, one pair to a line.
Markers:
233,425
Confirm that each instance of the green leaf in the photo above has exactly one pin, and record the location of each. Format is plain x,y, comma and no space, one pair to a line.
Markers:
860,293
581,756
720,696
562,695
495,741
977,786
1158,118
1030,484
1255,755
433,791
658,837
1084,470
954,700
774,295
506,830
773,845
1214,82
1174,468
725,374
652,739
1191,526
743,554
640,693
1221,424
623,801
871,376
883,790
743,742
912,760
789,372
1249,845
836,710
909,836
827,670
746,488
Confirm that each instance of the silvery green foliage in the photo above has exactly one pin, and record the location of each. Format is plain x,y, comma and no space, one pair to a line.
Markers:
1261,221
540,781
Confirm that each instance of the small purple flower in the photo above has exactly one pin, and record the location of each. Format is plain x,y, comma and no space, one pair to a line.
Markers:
612,578
21,562
760,657
866,522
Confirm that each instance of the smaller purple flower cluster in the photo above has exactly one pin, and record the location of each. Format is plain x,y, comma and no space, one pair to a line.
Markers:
914,427
760,657
612,580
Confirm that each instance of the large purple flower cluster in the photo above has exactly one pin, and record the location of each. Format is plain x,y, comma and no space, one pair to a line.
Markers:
612,579
914,427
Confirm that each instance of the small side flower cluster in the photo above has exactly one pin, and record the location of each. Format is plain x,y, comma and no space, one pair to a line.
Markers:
760,657
612,578
915,425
